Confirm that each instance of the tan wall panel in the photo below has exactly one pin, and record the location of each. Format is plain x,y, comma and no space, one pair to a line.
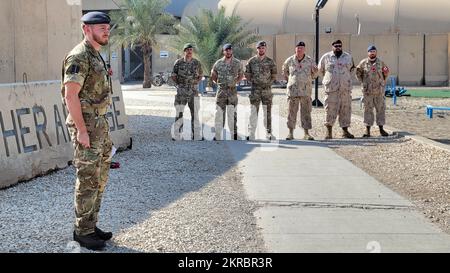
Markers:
59,36
436,63
358,49
6,41
100,4
448,58
387,46
411,59
358,46
160,64
31,39
285,45
30,151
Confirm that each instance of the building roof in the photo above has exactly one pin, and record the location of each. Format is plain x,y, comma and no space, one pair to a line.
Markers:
344,16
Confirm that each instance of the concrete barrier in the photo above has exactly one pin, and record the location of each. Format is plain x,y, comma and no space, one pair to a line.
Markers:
33,136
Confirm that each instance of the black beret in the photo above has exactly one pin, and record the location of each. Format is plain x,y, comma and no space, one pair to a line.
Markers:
301,43
261,43
371,47
95,17
336,42
227,46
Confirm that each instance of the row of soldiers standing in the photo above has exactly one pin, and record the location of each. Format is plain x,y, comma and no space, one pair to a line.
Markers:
299,70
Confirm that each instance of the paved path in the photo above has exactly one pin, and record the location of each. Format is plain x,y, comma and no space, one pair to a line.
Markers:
313,200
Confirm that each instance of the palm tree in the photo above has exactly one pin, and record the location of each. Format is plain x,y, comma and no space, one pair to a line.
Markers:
209,31
137,24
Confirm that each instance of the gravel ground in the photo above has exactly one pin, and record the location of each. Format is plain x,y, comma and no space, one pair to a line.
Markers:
167,197
183,197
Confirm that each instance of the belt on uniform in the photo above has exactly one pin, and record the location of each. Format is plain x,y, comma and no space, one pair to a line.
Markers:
95,111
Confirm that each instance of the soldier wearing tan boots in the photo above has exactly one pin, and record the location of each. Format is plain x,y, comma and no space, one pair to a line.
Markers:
372,73
336,67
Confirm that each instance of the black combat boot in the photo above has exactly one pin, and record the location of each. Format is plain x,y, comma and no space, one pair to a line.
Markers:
346,133
367,134
329,132
103,235
290,136
382,131
90,241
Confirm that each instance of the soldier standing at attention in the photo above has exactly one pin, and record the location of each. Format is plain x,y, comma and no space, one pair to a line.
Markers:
86,90
372,73
186,74
337,66
261,72
299,70
226,72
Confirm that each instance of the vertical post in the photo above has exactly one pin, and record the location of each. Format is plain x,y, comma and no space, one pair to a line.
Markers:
393,88
316,101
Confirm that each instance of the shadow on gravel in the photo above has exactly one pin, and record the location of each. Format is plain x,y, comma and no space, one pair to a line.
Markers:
38,216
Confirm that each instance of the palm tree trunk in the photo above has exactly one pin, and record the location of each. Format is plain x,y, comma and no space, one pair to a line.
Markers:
146,50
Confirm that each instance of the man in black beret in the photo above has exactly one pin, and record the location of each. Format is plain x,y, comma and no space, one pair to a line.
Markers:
261,71
337,67
86,91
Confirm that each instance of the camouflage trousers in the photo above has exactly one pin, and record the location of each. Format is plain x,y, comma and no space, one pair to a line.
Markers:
92,167
226,106
256,98
376,101
193,103
305,104
338,103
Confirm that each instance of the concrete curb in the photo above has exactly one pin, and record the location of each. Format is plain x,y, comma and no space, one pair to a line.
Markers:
408,135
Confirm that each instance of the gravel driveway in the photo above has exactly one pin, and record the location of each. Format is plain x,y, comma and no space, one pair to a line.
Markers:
167,197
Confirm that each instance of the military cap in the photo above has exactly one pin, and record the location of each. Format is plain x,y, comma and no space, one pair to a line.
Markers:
188,45
261,43
95,17
301,43
227,46
336,42
371,47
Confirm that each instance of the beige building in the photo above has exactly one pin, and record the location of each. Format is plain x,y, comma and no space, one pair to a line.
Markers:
35,36
412,36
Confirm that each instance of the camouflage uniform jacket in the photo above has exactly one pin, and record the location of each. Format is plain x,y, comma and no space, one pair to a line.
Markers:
300,75
226,76
337,72
261,73
187,76
372,76
85,66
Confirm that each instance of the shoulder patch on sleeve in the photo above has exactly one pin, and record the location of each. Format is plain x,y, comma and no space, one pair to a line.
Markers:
73,69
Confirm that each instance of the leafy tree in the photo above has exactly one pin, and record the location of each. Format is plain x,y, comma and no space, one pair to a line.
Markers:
138,23
209,31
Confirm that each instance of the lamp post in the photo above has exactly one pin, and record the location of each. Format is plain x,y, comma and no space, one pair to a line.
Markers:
320,4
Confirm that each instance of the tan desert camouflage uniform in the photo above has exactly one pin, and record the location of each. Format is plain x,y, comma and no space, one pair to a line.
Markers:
337,81
299,87
373,80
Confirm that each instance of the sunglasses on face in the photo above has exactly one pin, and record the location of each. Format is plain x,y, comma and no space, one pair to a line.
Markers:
338,46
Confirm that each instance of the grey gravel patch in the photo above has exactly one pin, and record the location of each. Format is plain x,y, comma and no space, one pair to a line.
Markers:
184,196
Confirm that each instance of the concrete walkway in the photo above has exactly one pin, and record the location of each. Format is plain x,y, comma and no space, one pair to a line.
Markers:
313,200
